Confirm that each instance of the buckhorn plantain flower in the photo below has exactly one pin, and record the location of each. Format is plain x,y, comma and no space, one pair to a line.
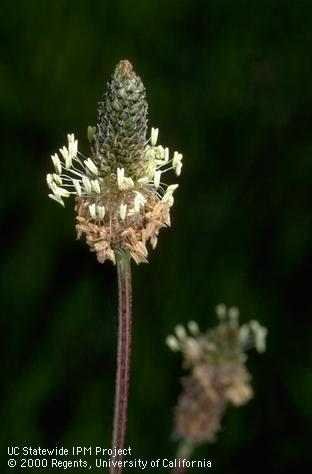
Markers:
218,374
121,200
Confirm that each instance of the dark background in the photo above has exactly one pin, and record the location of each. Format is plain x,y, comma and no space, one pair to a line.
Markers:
229,85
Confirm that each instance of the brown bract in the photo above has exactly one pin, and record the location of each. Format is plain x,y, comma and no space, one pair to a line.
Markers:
113,235
204,398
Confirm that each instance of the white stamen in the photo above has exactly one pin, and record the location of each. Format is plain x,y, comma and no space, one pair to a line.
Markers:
101,212
143,180
180,332
140,197
57,163
50,179
133,211
233,313
177,162
244,333
149,153
136,207
61,191
91,166
177,158
260,335
173,343
172,188
57,179
87,184
160,153
170,201
96,186
128,183
139,201
73,148
168,198
123,211
77,186
254,325
92,211
151,168
67,158
221,311
57,199
178,169
120,177
157,176
70,138
192,347
154,136
193,328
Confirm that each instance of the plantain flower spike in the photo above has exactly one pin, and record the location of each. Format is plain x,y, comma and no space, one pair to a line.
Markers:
218,374
121,200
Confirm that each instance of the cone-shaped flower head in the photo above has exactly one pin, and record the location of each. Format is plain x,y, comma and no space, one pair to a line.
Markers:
121,200
218,374
122,121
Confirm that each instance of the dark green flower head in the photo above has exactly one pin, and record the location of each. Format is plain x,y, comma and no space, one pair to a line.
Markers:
122,121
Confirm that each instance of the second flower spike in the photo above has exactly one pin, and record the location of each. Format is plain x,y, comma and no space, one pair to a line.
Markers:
218,374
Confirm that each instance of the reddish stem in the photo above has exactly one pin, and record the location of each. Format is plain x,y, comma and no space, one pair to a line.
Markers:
123,359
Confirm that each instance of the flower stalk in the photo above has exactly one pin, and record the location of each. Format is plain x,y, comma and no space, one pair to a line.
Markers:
184,451
123,356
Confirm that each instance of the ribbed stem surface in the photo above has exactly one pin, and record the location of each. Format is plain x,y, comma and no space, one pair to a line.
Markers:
123,357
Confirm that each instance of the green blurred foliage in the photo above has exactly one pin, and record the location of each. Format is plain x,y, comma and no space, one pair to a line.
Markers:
229,85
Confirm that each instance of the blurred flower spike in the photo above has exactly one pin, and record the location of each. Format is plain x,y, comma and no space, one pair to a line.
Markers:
218,374
121,199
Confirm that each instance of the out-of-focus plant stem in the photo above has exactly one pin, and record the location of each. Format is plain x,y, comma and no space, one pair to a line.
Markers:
184,451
